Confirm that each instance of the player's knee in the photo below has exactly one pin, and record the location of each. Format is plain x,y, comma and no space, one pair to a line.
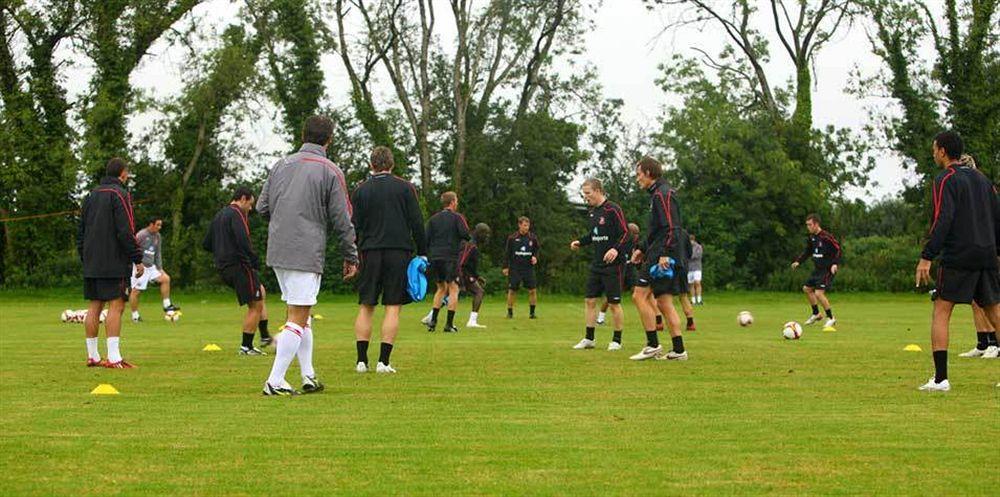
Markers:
164,278
807,289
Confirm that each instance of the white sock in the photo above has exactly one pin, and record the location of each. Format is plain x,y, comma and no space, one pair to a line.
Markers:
474,317
600,316
92,351
166,302
305,353
135,314
287,345
114,355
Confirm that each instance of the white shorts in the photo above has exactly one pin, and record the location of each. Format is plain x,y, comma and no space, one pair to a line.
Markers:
298,287
151,273
694,276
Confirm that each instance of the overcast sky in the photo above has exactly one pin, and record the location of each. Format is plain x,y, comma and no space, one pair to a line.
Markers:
626,46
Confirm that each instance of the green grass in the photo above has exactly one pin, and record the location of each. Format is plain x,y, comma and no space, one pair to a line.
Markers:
506,411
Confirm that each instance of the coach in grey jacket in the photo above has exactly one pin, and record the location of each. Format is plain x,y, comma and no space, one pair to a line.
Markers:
303,194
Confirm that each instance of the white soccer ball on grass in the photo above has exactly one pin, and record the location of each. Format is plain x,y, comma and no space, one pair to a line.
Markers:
792,331
744,318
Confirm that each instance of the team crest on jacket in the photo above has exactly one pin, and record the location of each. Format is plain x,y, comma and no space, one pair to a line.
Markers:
601,221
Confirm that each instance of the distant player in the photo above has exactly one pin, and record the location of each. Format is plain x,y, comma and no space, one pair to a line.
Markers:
446,230
963,236
390,228
608,233
468,271
663,243
107,247
152,259
694,271
228,239
520,258
303,195
825,252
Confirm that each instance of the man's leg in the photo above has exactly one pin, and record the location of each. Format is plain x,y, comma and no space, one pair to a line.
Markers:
288,344
452,288
511,298
665,303
250,323
603,312
647,314
589,317
825,302
618,319
113,326
363,331
477,301
656,311
688,309
91,327
133,303
265,335
390,326
697,291
813,303
939,338
532,301
991,318
442,290
164,281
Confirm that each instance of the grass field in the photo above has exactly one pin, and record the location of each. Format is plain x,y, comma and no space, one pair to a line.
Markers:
506,411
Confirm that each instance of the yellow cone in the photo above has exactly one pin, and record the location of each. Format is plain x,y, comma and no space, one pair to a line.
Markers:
211,348
317,317
104,389
829,328
913,348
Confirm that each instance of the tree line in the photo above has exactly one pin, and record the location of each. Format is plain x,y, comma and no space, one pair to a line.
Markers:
488,113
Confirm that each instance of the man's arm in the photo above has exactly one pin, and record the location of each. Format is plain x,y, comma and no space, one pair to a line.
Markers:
463,228
508,253
621,245
415,219
241,238
123,230
944,215
81,229
159,252
339,213
805,252
835,246
264,199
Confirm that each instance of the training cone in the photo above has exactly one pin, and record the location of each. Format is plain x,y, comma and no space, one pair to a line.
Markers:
829,328
104,389
211,348
317,317
913,348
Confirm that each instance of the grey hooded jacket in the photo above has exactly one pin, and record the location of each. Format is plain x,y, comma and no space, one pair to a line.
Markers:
304,193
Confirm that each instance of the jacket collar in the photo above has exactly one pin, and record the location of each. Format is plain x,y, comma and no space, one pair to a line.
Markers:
111,180
312,148
656,184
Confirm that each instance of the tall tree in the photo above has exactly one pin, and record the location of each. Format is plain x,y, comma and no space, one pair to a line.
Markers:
38,165
119,34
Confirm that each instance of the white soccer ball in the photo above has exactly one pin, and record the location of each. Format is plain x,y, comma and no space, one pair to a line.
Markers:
744,318
79,316
172,316
792,331
65,317
104,315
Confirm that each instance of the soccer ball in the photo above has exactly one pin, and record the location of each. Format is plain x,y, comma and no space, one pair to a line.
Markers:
172,316
104,315
66,315
744,318
792,330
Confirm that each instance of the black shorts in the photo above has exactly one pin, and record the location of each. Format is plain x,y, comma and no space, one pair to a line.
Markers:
964,286
517,277
383,273
820,279
245,281
106,289
676,285
606,281
631,276
444,270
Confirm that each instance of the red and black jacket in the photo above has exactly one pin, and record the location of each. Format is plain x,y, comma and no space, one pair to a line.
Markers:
445,232
228,239
468,261
824,250
665,236
105,238
964,227
608,230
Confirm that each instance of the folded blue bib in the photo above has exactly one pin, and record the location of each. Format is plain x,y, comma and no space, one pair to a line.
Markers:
657,272
416,279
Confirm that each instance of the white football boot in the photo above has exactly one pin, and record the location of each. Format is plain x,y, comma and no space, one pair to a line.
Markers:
815,318
613,346
384,368
585,344
931,386
991,352
673,356
361,367
830,322
647,352
975,352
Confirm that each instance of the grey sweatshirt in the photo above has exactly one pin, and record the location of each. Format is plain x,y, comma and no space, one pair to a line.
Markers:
152,254
304,193
694,263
